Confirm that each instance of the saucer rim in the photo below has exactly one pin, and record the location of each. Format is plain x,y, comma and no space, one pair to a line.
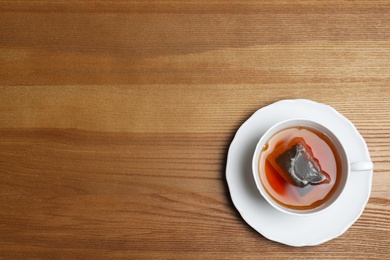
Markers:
352,127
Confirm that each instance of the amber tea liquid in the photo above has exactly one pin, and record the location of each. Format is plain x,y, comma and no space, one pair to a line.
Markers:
288,194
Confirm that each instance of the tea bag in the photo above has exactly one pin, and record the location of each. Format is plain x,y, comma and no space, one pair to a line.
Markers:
300,166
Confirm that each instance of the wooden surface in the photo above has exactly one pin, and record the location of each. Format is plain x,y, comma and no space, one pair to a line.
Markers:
116,118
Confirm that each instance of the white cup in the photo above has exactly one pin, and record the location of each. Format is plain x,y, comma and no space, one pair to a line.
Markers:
347,167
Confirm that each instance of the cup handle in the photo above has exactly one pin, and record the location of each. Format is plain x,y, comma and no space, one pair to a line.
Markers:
362,166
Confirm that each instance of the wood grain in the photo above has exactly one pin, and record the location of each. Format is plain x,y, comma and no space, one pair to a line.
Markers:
116,118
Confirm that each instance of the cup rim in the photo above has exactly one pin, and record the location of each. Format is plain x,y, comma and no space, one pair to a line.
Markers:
291,123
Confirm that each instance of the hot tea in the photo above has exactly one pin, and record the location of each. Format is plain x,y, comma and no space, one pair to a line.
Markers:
301,167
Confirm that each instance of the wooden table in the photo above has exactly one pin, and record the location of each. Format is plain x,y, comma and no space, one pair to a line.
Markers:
116,118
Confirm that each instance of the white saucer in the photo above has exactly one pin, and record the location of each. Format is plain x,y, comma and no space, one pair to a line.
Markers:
281,227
